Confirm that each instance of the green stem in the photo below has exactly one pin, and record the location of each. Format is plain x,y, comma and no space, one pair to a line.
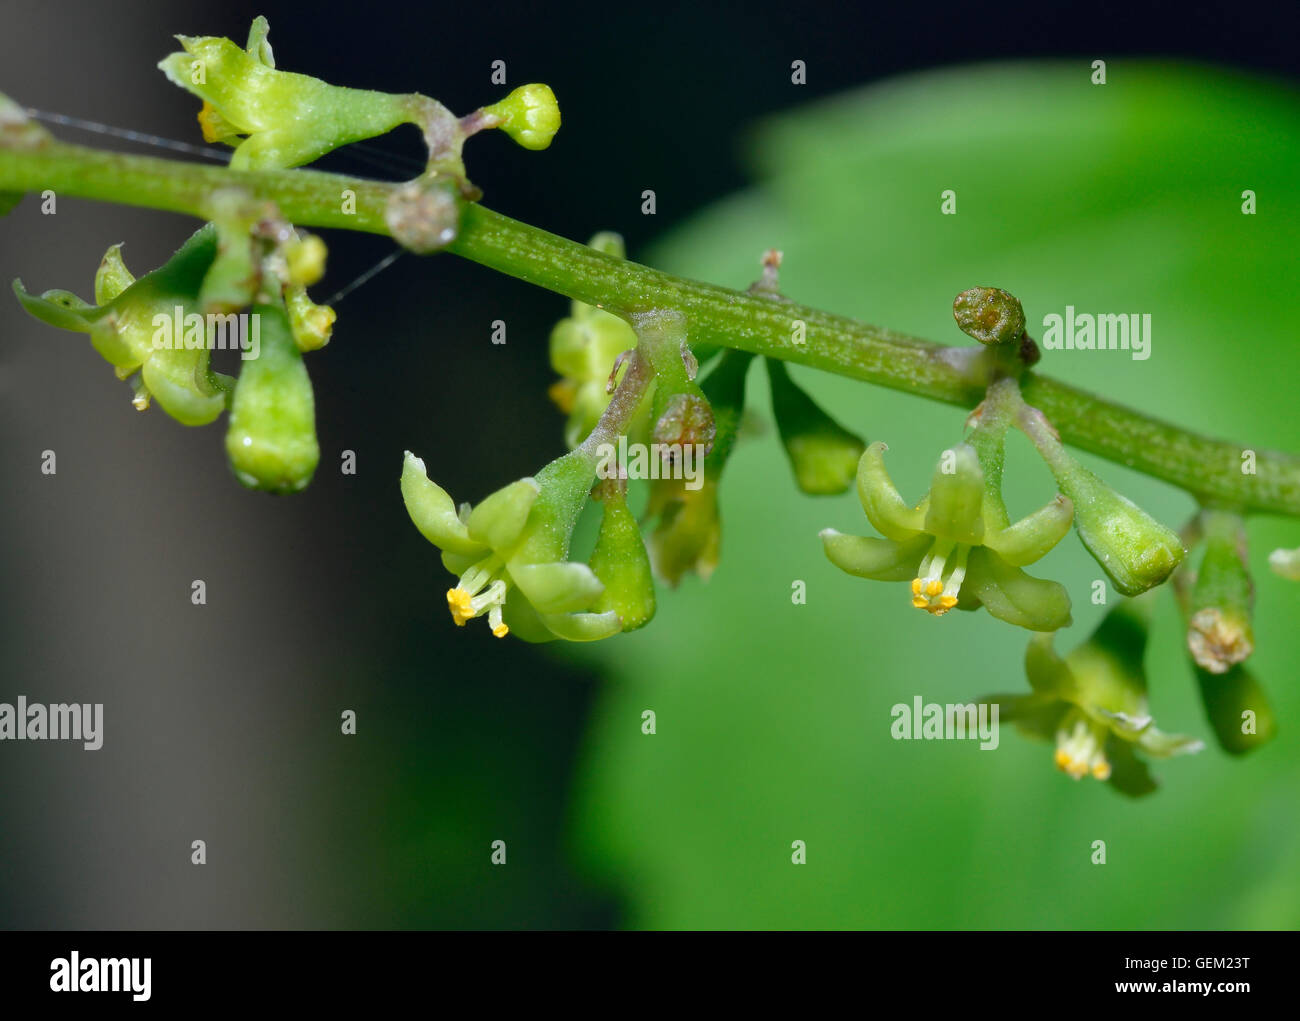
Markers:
1210,470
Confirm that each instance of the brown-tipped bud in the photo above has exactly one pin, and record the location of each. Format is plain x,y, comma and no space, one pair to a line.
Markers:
990,315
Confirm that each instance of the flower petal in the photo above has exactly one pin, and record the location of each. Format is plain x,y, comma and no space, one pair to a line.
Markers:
1011,595
1032,536
885,509
434,512
1155,742
1128,774
558,587
582,627
1047,672
881,559
499,520
957,497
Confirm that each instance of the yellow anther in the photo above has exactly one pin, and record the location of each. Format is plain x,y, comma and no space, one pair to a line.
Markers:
1101,770
501,630
461,605
948,602
916,586
933,587
211,122
1062,759
920,602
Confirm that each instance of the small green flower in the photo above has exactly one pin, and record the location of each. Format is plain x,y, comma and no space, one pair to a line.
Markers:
955,545
1093,704
151,326
1221,599
584,349
510,552
275,119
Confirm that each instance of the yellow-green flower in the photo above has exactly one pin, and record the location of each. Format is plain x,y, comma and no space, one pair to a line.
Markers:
510,552
955,546
1093,704
151,327
276,119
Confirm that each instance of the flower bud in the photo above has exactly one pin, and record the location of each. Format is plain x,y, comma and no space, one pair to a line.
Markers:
823,454
1133,548
1238,709
271,440
1219,632
620,561
312,324
530,115
990,315
681,413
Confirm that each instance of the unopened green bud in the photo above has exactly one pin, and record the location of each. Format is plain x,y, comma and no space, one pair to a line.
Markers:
990,315
823,454
620,561
271,441
530,115
1133,548
1219,632
1238,709
112,277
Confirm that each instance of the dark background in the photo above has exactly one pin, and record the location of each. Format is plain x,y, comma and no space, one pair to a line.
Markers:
222,721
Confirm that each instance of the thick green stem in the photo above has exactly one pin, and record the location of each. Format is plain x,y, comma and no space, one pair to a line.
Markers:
1210,470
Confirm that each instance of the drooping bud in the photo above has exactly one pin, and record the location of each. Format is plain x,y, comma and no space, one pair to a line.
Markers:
1219,632
1133,548
1238,709
823,454
620,560
271,440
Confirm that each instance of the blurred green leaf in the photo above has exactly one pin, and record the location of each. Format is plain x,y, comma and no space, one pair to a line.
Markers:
773,718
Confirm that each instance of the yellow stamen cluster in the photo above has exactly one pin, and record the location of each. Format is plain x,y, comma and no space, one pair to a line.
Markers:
933,590
467,602
1081,751
924,593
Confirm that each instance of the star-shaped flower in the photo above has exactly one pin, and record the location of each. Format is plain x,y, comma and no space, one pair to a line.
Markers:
1093,704
509,552
956,546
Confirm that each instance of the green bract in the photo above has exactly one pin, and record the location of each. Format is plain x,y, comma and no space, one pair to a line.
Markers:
1093,704
510,552
152,326
954,545
275,119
